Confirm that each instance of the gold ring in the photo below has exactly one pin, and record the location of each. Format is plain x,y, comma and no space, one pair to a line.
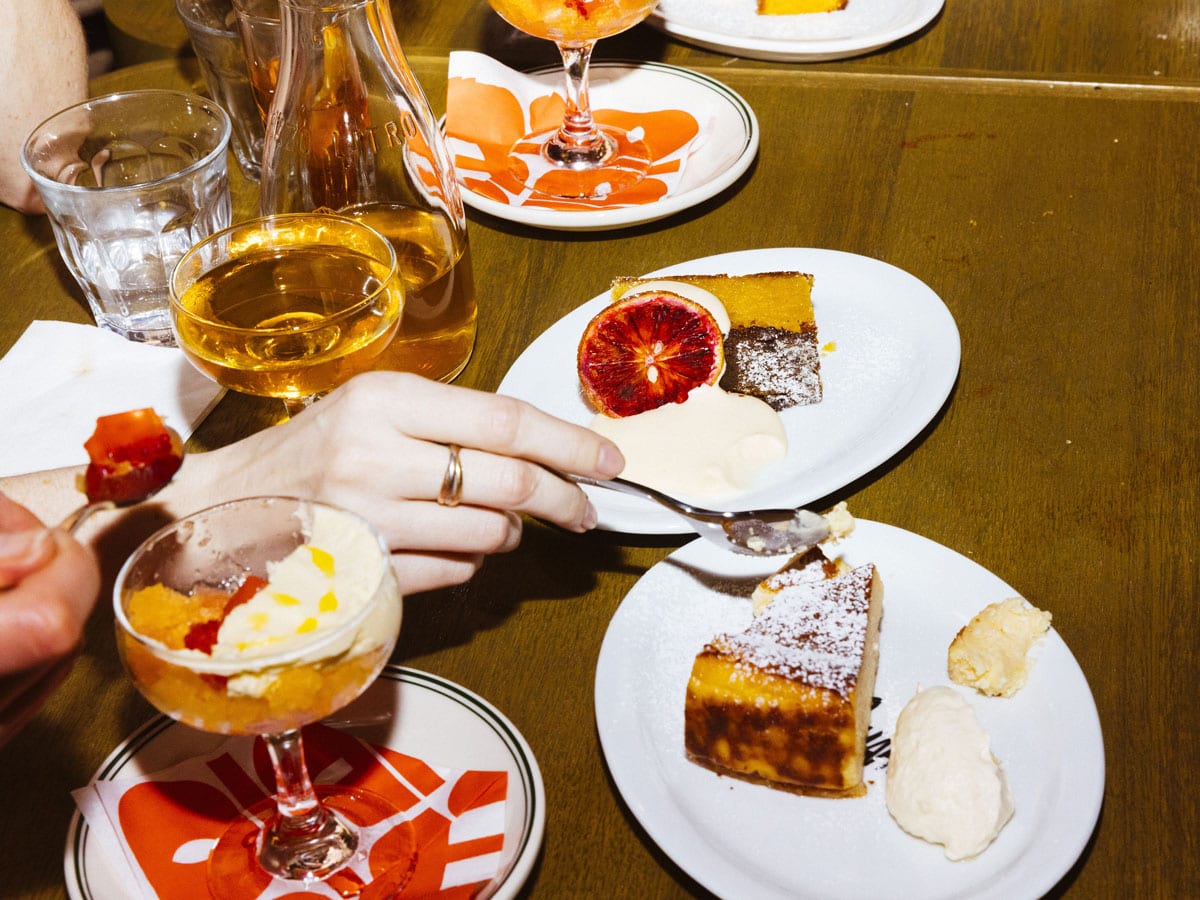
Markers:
452,481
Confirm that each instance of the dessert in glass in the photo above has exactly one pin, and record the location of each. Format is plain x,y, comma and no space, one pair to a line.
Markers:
257,617
579,159
287,306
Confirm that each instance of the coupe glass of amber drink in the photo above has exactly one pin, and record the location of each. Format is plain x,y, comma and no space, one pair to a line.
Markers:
287,306
579,158
257,617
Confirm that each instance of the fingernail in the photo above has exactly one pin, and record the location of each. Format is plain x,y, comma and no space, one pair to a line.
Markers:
589,517
610,462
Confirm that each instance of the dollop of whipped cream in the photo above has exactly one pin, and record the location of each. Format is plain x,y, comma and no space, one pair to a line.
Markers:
943,783
709,447
302,613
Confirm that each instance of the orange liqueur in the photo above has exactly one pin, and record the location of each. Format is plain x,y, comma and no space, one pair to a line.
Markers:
437,330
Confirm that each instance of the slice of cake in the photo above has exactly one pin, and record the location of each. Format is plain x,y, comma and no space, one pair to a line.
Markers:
787,702
771,350
793,7
811,565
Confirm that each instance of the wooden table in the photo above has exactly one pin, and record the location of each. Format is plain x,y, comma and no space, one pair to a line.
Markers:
1152,42
1057,222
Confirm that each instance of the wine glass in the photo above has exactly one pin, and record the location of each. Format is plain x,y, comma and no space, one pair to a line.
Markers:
580,159
257,617
287,306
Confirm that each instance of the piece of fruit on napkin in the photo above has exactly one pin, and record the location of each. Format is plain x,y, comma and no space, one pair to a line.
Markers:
157,830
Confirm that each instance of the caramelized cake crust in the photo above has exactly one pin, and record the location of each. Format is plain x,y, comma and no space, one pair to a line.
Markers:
794,7
788,701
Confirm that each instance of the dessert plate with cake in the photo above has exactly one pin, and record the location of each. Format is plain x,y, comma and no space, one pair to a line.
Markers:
793,30
748,820
847,358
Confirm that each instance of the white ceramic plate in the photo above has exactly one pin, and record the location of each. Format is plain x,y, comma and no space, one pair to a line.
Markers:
734,27
751,842
895,360
420,714
719,156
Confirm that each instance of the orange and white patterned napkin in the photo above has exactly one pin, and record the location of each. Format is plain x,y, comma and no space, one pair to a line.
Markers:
160,828
490,106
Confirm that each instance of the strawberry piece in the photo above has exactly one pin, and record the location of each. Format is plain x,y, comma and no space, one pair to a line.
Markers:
202,636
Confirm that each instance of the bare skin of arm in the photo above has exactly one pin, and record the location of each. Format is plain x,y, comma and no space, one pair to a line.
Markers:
377,446
43,67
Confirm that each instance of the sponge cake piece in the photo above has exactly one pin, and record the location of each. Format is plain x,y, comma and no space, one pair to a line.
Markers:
788,701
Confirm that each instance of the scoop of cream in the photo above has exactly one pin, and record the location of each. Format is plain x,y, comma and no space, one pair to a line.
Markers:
311,592
711,446
943,784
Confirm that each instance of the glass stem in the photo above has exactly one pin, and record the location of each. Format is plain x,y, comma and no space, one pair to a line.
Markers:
304,840
298,805
578,140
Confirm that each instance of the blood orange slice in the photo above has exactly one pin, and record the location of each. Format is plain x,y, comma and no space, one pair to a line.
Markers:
647,350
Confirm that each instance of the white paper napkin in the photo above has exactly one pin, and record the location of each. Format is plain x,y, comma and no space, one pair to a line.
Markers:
59,377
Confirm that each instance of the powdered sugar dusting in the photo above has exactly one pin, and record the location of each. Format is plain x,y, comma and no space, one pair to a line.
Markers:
813,566
781,367
814,631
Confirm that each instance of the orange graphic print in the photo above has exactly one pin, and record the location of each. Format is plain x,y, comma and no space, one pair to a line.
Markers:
170,821
489,120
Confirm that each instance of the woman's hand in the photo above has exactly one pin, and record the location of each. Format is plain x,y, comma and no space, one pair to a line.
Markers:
379,446
48,586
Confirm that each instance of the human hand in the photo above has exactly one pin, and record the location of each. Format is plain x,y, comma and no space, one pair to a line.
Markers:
378,446
48,586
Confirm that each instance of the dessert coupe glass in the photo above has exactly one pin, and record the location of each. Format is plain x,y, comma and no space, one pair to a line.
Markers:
287,306
218,634
579,159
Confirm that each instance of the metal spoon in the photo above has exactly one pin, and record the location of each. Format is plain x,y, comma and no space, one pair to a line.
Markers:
754,532
149,489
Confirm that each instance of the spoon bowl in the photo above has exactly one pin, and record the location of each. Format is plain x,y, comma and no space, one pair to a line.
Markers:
753,532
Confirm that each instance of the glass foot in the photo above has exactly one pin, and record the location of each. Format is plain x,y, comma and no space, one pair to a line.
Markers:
616,160
344,850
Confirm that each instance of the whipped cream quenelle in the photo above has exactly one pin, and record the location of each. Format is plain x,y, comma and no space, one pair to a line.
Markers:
301,615
311,593
711,446
943,783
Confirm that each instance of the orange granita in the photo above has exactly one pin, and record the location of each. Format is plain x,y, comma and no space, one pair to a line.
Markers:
291,696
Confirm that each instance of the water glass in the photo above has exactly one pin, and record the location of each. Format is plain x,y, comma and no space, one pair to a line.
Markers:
213,28
132,181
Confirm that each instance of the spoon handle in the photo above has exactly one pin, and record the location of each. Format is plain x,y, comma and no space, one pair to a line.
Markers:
72,522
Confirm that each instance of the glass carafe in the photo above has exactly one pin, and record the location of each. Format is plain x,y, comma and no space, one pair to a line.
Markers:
350,130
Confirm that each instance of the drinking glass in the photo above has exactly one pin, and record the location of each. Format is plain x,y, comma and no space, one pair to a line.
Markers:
579,159
257,617
212,29
262,35
287,306
131,180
